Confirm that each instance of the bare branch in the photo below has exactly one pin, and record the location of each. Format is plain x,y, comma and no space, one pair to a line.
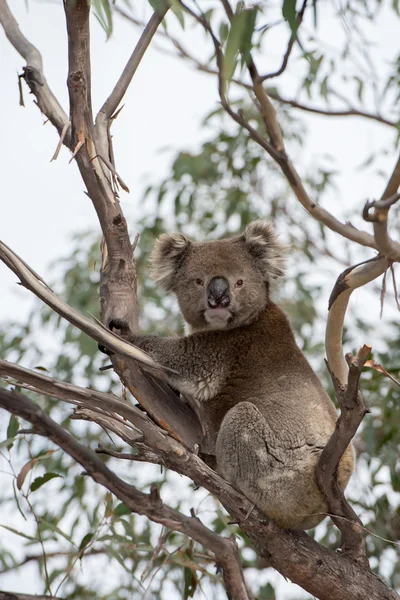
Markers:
350,112
102,335
294,180
352,412
380,204
272,93
347,282
149,505
292,40
33,72
384,242
113,101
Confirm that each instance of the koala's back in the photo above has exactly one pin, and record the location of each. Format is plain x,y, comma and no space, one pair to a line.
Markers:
272,419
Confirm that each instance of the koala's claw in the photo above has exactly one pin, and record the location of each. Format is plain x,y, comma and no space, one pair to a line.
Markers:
119,324
105,350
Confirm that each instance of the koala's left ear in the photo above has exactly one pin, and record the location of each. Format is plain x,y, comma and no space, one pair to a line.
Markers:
168,254
263,244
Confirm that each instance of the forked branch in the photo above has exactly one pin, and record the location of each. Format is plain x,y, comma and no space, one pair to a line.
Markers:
150,505
351,279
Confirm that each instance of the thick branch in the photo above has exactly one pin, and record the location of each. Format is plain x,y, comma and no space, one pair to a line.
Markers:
102,335
352,412
104,403
347,282
318,570
149,505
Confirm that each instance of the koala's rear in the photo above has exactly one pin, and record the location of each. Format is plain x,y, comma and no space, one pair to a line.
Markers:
260,404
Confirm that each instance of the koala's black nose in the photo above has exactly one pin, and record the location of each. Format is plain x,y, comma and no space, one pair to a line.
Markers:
218,293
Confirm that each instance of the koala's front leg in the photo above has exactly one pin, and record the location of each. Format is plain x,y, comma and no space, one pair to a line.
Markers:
198,367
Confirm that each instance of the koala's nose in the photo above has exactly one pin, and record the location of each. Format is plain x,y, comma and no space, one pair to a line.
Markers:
218,293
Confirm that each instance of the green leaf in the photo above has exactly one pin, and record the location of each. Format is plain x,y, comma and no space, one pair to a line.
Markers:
12,431
7,442
24,535
122,509
178,12
102,12
233,44
190,583
247,36
85,540
158,5
13,427
290,15
39,481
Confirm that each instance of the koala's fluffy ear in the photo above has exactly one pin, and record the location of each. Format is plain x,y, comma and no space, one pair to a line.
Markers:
169,252
263,244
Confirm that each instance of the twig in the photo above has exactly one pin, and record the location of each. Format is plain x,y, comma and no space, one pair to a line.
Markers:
60,141
114,99
352,411
292,40
33,72
113,171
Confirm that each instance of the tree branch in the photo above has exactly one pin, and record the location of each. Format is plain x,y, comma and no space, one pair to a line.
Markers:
295,555
33,72
155,395
150,505
293,178
30,280
113,101
351,279
384,242
350,112
292,40
352,412
272,92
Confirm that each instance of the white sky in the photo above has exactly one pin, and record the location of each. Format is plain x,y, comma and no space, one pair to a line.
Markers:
43,203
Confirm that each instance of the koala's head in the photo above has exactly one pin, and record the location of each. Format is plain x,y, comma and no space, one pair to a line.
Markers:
220,284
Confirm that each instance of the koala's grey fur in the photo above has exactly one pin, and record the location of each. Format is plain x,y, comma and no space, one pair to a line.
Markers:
258,400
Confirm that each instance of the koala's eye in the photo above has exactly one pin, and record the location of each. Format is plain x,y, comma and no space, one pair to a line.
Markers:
199,281
239,283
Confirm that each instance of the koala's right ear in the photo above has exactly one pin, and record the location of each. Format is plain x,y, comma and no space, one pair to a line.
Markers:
168,254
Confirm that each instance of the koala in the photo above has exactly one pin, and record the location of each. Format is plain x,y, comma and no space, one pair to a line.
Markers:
263,411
